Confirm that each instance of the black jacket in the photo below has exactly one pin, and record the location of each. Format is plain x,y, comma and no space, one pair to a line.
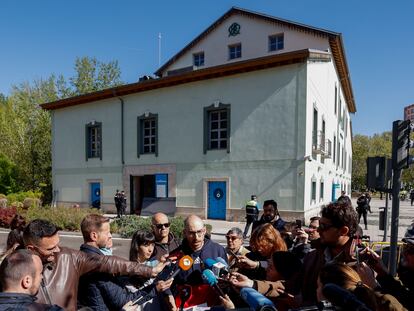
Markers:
24,302
161,249
102,291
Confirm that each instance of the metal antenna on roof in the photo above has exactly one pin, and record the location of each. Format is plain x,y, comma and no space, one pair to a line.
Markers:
159,49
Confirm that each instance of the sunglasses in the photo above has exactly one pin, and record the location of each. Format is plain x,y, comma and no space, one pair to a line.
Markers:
324,227
233,238
160,226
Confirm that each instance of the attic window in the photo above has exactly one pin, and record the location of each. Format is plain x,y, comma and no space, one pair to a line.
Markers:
276,42
198,59
235,51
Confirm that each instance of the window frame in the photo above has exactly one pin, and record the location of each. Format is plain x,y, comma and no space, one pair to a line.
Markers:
234,46
88,127
207,112
276,36
195,55
140,132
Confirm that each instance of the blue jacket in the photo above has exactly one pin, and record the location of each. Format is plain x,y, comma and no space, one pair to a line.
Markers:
102,291
24,302
193,276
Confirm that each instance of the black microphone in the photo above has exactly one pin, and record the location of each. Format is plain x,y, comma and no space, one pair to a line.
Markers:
185,293
343,298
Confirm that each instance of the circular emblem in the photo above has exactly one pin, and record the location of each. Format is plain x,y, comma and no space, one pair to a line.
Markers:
234,30
218,194
97,192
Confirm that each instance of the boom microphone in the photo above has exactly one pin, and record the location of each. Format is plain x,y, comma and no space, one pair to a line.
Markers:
255,300
342,298
211,280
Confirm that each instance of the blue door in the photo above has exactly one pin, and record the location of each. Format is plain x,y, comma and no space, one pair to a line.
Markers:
335,191
216,200
96,195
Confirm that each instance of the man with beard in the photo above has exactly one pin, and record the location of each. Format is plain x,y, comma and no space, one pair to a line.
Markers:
337,227
20,278
62,267
270,215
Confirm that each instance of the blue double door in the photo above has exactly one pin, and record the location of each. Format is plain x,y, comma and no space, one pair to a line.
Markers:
217,198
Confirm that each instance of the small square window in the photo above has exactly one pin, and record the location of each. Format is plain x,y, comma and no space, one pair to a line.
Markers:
235,51
276,42
198,59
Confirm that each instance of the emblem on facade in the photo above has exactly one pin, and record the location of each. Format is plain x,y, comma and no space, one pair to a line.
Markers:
234,30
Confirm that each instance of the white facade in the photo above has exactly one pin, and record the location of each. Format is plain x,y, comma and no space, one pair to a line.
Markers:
272,108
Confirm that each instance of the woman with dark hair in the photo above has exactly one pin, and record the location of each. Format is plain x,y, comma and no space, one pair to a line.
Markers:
142,246
346,277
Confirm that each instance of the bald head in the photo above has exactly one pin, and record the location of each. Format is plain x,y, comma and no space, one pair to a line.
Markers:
160,227
159,218
193,220
194,231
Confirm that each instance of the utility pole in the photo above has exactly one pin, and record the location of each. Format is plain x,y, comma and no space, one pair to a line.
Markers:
400,160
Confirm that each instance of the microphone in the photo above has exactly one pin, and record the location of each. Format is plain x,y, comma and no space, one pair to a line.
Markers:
184,293
171,271
211,280
343,298
218,268
255,300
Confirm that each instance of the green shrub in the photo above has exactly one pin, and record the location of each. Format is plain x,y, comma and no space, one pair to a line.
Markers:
128,225
20,196
66,218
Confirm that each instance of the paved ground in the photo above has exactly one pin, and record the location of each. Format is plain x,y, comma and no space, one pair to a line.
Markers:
220,228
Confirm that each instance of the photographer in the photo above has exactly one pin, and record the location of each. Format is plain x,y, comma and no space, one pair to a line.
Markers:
402,288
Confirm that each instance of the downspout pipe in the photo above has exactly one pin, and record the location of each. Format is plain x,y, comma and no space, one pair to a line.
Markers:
122,131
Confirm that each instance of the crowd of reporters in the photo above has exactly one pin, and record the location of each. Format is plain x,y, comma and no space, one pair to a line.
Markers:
283,266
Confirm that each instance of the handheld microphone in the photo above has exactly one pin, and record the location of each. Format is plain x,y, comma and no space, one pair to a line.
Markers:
211,280
171,271
184,293
342,298
255,300
219,269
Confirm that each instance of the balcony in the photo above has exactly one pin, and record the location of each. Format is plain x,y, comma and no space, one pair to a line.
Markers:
321,146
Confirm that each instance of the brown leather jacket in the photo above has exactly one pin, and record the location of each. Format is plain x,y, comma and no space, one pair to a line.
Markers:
60,279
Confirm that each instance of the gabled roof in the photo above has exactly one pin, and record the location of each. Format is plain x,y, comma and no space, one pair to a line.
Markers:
248,65
335,42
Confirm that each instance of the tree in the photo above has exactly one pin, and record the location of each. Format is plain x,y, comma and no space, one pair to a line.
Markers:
25,128
8,176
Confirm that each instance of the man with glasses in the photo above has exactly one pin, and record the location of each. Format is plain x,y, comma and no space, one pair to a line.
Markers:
235,245
196,245
337,226
62,267
165,242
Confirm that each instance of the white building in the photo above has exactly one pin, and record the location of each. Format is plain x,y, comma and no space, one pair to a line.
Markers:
254,105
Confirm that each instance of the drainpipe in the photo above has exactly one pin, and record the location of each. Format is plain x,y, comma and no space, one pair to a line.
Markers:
122,131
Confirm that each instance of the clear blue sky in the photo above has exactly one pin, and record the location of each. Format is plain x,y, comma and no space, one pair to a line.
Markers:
38,38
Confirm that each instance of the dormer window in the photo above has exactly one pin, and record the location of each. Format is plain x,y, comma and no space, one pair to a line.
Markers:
235,51
276,42
198,59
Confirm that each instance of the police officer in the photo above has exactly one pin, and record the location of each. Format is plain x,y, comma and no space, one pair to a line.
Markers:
252,213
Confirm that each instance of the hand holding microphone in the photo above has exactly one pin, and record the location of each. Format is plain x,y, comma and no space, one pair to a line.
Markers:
211,280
